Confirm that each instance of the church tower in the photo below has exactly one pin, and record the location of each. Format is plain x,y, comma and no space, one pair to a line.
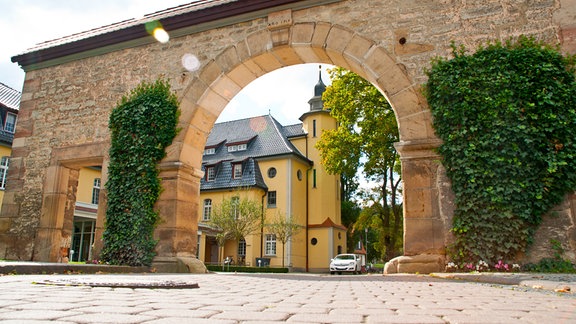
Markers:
326,234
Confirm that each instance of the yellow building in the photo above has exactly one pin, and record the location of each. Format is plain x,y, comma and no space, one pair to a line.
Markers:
85,212
278,166
9,104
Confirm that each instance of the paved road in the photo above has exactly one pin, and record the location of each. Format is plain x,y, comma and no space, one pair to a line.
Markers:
258,298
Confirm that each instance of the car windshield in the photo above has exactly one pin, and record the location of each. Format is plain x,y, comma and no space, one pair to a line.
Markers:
345,257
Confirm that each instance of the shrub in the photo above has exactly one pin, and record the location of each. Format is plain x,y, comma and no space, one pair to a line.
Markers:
141,127
507,118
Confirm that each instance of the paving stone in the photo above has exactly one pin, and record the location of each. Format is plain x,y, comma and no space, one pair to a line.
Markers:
327,318
252,316
35,314
107,318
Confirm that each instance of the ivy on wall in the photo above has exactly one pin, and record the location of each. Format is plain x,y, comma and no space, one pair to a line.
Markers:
141,126
507,118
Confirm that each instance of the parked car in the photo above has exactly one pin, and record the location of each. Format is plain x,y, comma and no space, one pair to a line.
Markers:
345,263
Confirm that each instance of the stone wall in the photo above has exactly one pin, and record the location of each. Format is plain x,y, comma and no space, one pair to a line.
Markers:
66,104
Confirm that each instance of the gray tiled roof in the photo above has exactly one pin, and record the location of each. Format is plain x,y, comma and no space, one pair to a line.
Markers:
269,138
9,97
294,130
251,176
265,137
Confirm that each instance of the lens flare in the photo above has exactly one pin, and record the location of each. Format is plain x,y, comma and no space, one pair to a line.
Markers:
161,35
190,62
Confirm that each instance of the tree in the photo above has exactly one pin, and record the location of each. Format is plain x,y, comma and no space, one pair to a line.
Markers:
284,228
141,127
235,218
364,140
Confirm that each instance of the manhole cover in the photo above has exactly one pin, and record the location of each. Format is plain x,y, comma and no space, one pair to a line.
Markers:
121,283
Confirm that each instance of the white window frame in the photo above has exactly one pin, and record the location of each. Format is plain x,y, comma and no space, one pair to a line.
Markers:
232,148
10,123
242,247
270,246
4,171
207,212
236,205
209,151
242,147
210,173
237,171
271,199
96,191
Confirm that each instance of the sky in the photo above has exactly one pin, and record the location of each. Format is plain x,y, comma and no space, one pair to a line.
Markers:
284,93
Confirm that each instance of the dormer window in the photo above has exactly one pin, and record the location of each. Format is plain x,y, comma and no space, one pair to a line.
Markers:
237,171
210,173
210,151
10,124
239,147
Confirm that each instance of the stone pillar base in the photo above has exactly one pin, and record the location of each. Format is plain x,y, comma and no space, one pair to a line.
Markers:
178,265
421,263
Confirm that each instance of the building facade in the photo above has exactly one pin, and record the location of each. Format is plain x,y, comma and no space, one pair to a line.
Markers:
9,104
278,168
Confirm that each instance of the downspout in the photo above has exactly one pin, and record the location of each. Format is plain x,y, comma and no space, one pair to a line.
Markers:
307,208
262,225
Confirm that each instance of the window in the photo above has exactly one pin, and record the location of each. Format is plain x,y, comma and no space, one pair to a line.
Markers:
314,178
242,248
207,209
209,151
299,175
96,191
239,147
271,199
210,173
3,171
237,171
236,207
314,128
10,125
271,173
270,244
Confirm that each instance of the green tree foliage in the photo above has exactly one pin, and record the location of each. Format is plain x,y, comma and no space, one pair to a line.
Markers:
364,139
235,218
284,228
507,118
350,211
142,126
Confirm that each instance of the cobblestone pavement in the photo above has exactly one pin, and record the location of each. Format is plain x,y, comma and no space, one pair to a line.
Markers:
267,298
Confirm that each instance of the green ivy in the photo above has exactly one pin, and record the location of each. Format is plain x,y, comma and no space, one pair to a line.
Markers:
507,118
141,126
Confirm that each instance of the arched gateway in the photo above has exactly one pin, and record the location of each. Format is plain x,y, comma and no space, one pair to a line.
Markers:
73,83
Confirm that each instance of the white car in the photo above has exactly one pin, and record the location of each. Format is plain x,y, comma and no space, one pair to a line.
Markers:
345,263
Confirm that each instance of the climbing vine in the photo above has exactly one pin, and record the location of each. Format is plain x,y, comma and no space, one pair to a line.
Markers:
507,118
141,126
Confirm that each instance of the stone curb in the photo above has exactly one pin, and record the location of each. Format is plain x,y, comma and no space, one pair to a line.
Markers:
564,283
49,268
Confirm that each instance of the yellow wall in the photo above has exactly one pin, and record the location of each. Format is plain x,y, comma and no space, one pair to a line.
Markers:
327,190
231,248
4,151
86,184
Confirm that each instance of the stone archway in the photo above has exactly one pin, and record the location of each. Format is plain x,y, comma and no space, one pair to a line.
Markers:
72,84
319,42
